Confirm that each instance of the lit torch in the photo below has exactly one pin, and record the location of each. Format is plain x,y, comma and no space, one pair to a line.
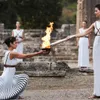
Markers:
46,45
46,39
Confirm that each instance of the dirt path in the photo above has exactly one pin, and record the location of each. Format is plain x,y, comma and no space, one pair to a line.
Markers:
74,86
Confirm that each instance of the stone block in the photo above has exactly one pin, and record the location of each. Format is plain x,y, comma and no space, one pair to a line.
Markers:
42,68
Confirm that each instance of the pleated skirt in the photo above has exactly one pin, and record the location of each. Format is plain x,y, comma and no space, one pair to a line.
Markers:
14,89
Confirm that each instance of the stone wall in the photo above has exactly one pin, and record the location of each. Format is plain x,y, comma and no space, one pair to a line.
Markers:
33,42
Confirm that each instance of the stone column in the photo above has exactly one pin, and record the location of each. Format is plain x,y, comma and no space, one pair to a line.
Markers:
80,11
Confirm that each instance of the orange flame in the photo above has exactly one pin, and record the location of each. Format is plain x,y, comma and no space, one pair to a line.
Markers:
46,39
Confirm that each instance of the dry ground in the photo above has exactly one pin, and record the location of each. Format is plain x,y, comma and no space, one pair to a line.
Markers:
74,86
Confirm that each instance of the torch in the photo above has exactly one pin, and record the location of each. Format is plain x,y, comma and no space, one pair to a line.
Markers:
46,45
46,39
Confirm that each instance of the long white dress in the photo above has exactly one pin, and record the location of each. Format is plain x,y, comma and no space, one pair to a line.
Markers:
11,85
19,35
83,52
96,59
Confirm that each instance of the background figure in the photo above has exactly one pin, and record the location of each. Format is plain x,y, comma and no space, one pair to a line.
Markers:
19,34
83,51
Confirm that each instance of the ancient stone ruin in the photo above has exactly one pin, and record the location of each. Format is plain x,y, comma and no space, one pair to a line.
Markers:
54,64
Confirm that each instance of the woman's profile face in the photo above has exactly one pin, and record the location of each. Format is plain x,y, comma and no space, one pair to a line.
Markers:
97,12
14,45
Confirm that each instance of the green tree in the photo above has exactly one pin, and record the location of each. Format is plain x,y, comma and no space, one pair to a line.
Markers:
68,12
32,13
7,13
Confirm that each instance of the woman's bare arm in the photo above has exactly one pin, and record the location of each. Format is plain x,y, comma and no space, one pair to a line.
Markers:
88,31
89,39
23,37
77,41
12,33
21,56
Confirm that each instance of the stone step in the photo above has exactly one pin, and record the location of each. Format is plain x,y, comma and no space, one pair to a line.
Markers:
65,58
50,58
66,48
69,61
69,57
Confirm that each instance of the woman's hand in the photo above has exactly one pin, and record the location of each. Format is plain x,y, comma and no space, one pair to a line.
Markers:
42,52
77,45
70,37
45,51
89,46
20,41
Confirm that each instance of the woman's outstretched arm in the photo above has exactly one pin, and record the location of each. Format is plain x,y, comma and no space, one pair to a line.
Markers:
88,31
21,56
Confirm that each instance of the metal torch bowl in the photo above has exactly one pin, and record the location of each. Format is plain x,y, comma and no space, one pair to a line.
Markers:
47,50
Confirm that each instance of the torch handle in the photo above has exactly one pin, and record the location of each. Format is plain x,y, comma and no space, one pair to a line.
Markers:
59,41
62,40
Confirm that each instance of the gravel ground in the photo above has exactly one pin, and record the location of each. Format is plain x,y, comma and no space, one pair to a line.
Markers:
74,86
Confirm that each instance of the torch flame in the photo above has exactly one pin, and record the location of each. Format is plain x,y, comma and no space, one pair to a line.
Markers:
46,39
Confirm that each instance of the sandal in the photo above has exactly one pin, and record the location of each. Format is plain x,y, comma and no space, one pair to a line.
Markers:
94,97
20,97
82,70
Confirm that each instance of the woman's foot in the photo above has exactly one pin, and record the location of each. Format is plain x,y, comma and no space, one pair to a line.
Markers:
82,69
20,97
94,97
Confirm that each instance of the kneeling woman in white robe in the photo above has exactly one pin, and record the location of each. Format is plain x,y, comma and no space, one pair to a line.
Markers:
11,85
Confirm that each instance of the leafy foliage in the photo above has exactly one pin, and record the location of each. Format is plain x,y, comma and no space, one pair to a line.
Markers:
32,13
68,11
37,13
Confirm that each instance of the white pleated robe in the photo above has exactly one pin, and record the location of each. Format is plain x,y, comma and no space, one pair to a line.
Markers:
96,60
83,52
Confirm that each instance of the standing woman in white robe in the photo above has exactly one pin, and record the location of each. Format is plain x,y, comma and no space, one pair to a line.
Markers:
19,34
96,51
83,51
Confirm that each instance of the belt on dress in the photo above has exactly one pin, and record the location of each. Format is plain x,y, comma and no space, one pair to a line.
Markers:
9,65
86,36
19,37
97,34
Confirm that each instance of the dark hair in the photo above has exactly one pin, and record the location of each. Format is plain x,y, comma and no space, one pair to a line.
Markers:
97,6
9,40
